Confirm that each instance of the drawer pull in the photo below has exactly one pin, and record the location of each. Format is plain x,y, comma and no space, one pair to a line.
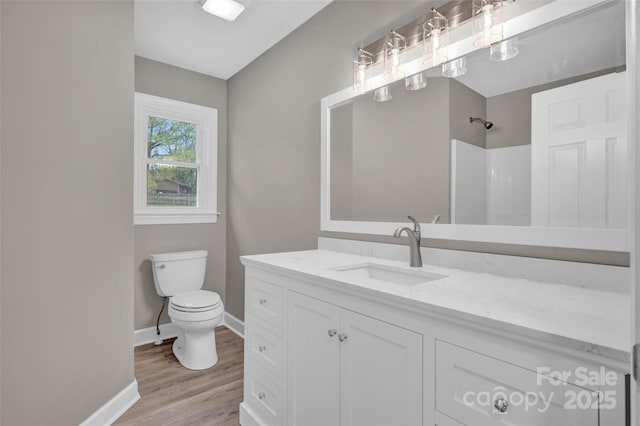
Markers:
501,405
262,395
263,301
342,337
262,348
332,332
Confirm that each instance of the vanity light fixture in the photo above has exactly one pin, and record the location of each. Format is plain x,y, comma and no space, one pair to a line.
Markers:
504,51
382,94
228,10
362,71
435,39
487,22
394,56
416,81
455,68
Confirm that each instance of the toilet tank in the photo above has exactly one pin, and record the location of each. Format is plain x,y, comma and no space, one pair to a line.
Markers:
178,272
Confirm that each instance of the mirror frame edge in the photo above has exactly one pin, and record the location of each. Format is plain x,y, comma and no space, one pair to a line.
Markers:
574,238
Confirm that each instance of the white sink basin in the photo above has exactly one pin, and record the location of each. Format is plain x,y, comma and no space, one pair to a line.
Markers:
389,274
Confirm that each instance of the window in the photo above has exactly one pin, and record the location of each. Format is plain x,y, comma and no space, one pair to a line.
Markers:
175,162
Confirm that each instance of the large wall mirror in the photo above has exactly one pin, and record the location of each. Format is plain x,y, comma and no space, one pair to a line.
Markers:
531,150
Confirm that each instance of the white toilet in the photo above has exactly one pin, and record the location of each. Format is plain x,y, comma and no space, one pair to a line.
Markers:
195,312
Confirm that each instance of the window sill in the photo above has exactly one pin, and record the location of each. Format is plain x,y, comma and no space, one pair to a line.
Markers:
174,218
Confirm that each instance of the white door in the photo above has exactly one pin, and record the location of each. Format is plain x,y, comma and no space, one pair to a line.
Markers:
579,154
313,357
381,373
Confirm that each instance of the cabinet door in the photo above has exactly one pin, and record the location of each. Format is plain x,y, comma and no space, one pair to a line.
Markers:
314,356
381,373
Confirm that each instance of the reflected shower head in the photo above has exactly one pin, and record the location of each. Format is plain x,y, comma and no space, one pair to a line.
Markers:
487,124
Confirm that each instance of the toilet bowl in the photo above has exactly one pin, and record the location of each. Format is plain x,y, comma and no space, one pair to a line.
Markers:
194,312
195,315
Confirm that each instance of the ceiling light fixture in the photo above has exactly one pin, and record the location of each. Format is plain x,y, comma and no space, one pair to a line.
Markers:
504,51
435,39
226,9
416,81
487,22
362,71
382,94
394,50
455,68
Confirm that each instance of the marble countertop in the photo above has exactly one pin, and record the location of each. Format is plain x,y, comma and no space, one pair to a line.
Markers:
590,320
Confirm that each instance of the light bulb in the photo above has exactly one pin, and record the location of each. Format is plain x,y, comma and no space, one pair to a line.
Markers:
362,71
436,39
394,52
487,22
487,19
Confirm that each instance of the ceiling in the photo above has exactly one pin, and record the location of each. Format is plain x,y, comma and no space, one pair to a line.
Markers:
180,33
587,42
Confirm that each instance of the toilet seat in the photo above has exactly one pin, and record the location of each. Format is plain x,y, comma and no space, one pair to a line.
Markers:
195,301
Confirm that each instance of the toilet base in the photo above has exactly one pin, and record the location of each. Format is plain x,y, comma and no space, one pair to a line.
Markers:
196,349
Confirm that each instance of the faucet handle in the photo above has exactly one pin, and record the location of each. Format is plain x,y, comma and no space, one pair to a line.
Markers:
436,219
416,224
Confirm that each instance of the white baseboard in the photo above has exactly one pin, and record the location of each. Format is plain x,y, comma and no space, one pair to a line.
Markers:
148,335
167,331
234,324
115,407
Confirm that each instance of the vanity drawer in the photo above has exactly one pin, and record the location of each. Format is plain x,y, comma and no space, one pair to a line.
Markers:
265,348
265,301
264,396
470,386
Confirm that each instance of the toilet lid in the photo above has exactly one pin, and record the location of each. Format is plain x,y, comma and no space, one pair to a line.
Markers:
196,300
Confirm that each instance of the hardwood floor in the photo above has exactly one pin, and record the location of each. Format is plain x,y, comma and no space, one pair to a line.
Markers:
172,395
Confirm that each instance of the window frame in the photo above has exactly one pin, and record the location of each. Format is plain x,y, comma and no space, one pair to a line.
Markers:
206,120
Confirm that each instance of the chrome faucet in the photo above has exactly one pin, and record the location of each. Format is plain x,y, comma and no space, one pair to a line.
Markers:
414,241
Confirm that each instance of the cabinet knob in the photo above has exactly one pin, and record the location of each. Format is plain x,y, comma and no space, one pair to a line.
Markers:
501,405
263,301
262,348
342,337
262,395
332,332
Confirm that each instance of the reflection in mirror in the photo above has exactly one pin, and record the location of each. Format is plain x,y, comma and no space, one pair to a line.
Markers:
554,155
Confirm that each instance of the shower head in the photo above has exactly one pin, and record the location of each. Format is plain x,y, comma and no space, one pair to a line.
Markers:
487,124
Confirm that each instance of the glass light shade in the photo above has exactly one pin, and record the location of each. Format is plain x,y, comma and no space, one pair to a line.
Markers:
394,57
455,68
362,71
504,51
226,9
487,22
382,94
435,39
415,82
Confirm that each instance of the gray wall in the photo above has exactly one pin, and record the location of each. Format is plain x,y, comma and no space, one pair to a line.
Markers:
465,103
341,162
384,154
274,130
66,196
156,78
400,150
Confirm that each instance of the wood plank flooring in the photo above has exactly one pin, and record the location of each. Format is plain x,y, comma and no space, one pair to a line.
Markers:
172,395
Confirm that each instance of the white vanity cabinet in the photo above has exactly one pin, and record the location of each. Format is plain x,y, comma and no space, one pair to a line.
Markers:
323,352
349,369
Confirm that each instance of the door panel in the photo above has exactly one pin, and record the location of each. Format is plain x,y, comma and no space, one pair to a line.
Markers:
578,142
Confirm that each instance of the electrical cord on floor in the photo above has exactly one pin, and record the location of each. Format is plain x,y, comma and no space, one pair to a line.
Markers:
158,340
